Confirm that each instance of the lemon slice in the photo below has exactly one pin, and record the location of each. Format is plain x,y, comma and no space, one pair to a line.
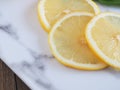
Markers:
49,11
68,43
103,36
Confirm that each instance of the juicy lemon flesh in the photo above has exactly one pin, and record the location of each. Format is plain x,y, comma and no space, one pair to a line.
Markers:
70,41
106,33
55,9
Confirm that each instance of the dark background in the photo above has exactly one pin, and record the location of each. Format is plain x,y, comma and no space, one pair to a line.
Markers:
8,80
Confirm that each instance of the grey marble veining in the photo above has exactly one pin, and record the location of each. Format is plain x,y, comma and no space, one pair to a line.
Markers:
8,29
35,71
37,68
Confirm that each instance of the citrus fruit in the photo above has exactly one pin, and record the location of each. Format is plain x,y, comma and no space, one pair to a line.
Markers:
49,11
103,36
68,43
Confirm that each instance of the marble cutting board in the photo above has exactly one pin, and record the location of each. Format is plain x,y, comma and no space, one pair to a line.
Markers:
24,48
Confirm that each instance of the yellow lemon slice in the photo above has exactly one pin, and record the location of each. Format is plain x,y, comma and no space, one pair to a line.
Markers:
103,36
68,43
49,11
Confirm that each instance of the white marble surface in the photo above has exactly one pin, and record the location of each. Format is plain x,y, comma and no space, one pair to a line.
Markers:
24,48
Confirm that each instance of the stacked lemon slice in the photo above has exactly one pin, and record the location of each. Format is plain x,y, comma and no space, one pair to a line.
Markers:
79,35
51,11
103,36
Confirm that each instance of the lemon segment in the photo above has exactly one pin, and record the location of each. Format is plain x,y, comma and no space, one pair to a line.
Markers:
68,43
103,36
49,11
